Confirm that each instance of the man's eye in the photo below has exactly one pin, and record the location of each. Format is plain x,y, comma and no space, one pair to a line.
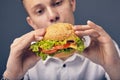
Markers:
40,11
57,3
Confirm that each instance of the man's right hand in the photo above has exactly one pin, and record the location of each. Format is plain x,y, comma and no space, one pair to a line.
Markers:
21,58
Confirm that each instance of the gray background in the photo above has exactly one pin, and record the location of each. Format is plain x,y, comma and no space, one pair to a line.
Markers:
12,21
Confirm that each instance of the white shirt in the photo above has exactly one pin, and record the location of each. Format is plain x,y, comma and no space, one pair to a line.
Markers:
76,67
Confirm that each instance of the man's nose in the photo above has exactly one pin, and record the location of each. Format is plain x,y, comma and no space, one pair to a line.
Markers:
53,15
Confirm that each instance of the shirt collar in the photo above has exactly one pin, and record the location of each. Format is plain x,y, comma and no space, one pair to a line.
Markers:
75,56
72,58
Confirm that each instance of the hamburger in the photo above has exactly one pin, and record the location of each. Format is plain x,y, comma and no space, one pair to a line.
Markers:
59,41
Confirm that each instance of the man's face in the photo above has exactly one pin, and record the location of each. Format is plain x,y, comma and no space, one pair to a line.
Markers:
42,13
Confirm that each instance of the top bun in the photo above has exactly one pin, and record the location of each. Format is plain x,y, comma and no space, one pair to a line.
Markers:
59,31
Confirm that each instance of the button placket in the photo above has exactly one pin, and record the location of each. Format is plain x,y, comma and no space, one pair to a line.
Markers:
64,65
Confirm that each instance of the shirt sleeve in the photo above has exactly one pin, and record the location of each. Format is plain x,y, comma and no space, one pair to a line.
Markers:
117,47
118,50
107,76
26,77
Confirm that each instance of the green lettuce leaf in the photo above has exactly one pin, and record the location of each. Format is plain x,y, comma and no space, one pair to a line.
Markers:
48,44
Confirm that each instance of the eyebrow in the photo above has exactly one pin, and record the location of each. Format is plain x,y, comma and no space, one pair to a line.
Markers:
36,6
39,5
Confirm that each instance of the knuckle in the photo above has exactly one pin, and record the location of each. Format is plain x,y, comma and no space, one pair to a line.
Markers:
12,45
14,42
100,28
16,39
92,30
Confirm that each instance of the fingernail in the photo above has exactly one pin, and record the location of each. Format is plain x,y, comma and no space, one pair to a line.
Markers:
89,21
76,32
39,38
74,26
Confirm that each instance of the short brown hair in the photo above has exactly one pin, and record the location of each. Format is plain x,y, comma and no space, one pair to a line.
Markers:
22,2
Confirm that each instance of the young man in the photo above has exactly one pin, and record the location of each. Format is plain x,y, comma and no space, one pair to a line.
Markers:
101,57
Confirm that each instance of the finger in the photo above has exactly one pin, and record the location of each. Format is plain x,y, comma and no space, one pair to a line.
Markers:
33,36
103,35
81,27
25,40
90,32
98,28
94,26
39,34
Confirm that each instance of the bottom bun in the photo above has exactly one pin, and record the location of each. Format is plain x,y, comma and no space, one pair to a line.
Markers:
64,55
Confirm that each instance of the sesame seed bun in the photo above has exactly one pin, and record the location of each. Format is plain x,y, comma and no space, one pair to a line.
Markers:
59,31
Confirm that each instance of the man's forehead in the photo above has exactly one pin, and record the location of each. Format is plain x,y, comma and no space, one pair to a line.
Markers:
39,0
32,3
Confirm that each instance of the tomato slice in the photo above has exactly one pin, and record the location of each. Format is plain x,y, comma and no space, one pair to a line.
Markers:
61,46
66,45
55,48
49,51
58,47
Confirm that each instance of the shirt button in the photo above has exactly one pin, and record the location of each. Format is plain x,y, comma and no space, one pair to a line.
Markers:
64,65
